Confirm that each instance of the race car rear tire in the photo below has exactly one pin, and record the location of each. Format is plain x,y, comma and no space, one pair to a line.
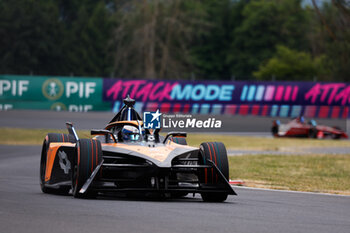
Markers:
313,133
179,140
50,138
88,156
216,152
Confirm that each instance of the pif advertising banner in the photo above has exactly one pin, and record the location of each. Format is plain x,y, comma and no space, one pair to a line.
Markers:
56,93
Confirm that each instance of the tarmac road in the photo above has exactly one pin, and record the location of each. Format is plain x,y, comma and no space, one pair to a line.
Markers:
23,208
242,125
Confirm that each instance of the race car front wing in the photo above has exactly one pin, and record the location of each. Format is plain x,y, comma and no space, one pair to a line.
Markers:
162,183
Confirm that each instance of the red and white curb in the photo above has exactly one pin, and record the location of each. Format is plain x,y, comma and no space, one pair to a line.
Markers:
236,182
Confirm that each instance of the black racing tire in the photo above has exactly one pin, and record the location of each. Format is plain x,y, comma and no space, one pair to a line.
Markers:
178,140
312,133
88,156
50,138
274,130
216,152
179,194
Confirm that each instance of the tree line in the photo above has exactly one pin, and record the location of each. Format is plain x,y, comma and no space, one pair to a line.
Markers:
177,39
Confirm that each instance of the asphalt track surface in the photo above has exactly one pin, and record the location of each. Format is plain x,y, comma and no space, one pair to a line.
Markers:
241,125
23,208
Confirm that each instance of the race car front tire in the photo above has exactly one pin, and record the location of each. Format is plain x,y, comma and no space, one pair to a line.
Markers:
216,152
50,138
88,156
274,130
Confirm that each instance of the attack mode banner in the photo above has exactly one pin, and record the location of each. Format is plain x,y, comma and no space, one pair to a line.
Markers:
143,90
315,99
296,93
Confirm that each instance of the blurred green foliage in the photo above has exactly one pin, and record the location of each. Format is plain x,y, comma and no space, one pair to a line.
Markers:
55,37
176,39
292,65
266,23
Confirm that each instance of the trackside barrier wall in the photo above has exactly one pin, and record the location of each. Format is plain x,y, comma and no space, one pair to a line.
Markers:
275,99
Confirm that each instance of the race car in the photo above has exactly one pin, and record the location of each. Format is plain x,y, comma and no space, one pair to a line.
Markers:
299,128
127,158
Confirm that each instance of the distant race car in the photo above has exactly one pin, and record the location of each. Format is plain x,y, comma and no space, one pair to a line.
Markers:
125,157
298,128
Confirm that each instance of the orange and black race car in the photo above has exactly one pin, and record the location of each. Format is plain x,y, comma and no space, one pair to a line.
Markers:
124,157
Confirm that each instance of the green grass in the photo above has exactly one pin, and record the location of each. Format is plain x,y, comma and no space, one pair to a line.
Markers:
260,143
14,136
315,173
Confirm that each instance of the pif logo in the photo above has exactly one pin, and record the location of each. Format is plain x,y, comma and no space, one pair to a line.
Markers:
58,107
52,89
152,120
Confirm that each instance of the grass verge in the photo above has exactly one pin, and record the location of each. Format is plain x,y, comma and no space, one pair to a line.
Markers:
312,173
263,143
14,136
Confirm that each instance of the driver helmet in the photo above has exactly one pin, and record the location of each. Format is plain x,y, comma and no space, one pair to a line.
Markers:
313,122
130,133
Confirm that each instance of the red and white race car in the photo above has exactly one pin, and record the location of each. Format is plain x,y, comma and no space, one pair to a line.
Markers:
299,128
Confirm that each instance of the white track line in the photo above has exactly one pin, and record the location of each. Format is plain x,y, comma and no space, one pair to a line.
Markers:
290,191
